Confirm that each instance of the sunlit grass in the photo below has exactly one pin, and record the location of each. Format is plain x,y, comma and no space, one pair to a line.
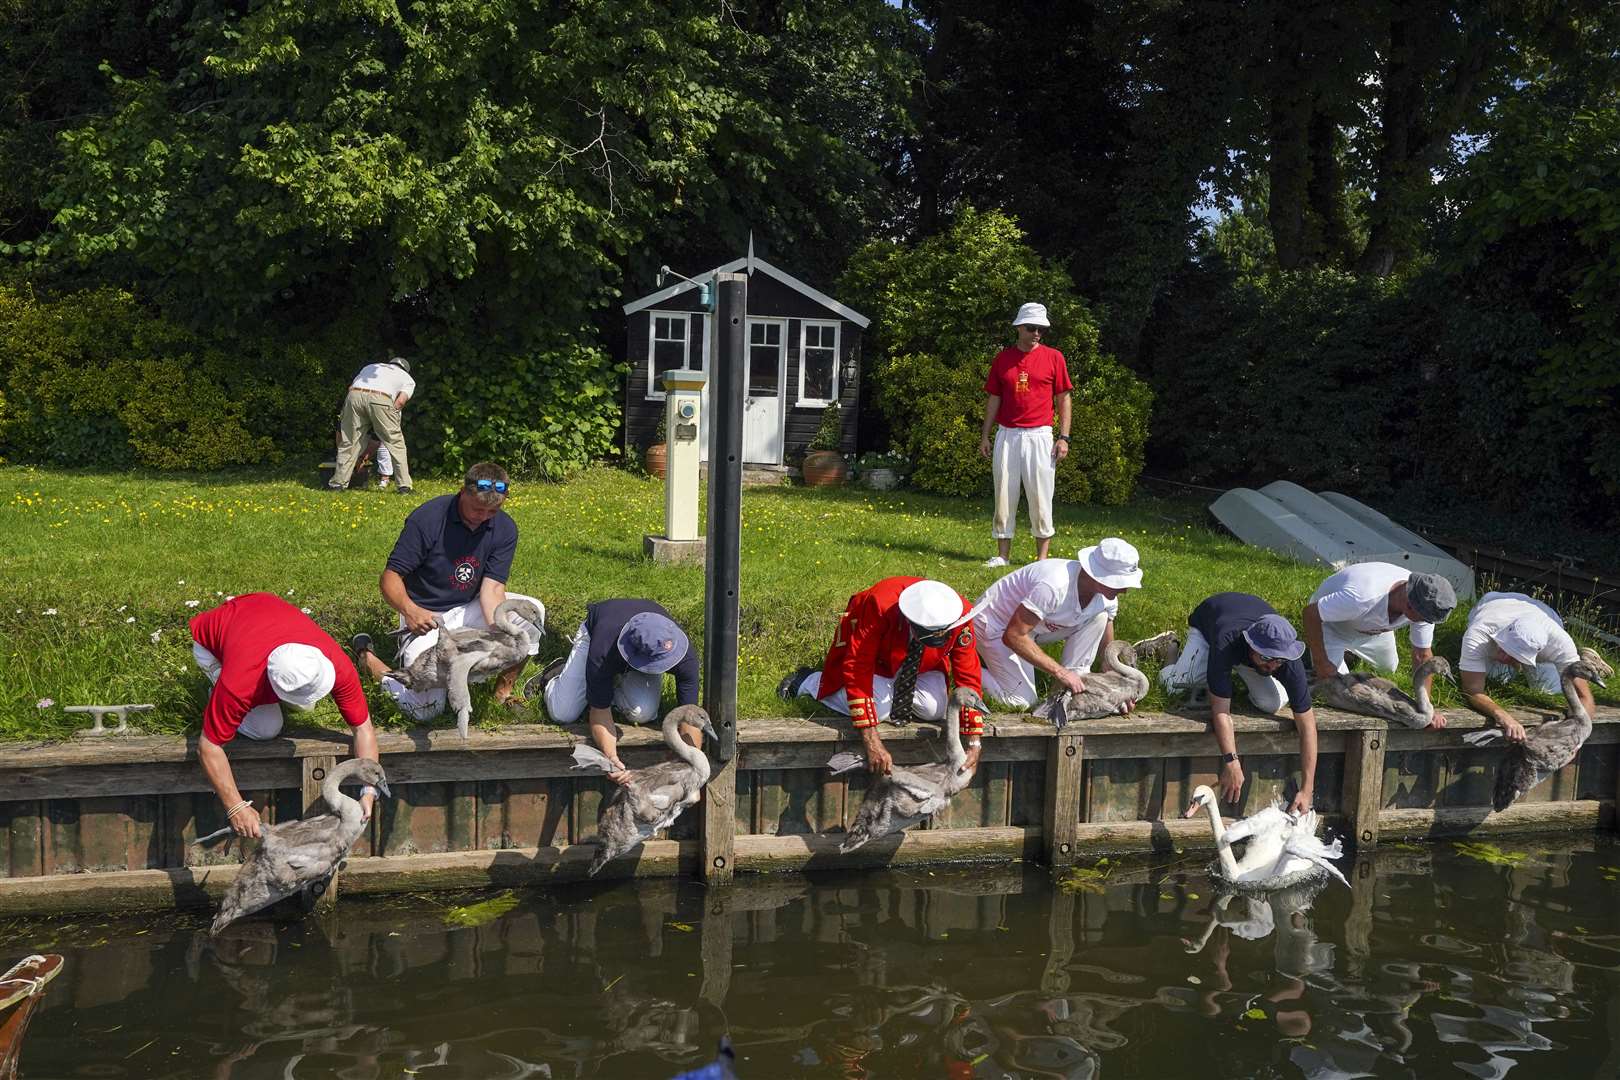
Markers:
101,572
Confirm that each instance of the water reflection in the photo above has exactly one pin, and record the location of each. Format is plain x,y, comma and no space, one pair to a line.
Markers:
1430,963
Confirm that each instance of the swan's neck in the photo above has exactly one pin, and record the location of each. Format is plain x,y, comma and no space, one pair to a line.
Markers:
697,759
510,619
1119,667
340,804
1420,690
953,736
1217,827
1577,707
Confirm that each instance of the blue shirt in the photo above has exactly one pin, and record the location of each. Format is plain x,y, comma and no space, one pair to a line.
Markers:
444,562
604,663
1222,619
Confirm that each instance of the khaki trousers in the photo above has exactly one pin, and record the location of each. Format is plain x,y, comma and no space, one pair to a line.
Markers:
368,412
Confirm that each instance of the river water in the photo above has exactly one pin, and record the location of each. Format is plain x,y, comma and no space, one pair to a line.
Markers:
1440,961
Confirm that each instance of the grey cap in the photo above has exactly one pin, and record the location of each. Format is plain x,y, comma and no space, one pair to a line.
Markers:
652,643
401,363
1431,596
1273,637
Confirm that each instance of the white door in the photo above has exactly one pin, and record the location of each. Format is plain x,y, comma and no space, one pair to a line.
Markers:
763,400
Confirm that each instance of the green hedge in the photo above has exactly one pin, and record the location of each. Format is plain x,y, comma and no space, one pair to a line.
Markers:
943,309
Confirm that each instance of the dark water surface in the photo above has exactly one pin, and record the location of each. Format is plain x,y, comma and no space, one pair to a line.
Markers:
1437,963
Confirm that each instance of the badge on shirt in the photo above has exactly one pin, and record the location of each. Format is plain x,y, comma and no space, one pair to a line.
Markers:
1023,381
465,572
964,640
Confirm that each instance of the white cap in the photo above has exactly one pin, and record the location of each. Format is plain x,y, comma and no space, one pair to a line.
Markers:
931,605
300,674
1031,315
1523,639
1112,563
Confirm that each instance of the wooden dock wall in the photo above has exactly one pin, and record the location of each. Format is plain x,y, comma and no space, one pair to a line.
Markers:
106,823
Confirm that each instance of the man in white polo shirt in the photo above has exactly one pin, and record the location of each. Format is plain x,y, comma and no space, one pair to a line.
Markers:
373,405
1507,631
1074,601
1359,609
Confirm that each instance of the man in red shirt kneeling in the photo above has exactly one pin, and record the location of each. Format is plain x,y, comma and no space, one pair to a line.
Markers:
261,653
899,646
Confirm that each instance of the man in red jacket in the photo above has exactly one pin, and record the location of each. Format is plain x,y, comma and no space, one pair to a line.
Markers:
261,653
900,645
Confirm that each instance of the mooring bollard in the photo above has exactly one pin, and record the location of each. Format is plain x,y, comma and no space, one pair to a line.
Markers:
98,711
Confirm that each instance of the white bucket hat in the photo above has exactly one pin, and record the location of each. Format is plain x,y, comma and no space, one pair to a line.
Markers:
1522,639
931,605
300,674
1112,563
1031,315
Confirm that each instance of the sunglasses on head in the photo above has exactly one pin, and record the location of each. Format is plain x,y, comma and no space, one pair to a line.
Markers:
489,485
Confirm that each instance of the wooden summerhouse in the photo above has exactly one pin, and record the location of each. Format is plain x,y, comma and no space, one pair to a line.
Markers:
804,353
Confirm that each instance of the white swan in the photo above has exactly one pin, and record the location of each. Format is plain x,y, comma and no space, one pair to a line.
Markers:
1282,849
1108,693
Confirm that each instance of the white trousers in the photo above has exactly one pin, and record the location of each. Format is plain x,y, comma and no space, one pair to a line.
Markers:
1010,679
636,694
424,705
261,721
1379,650
384,460
1543,677
1023,460
927,702
1191,672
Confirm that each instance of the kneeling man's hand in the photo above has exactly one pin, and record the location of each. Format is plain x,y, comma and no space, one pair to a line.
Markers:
878,761
1231,782
419,620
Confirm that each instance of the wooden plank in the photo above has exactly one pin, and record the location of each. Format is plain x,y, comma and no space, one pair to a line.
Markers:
1123,789
719,845
1170,745
1027,793
1147,836
753,758
147,778
1363,788
1582,816
1061,817
1597,772
1412,778
772,854
22,824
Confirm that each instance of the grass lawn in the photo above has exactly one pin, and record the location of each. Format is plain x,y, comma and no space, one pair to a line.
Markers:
101,572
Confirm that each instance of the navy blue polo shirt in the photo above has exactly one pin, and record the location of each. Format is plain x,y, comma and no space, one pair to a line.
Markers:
443,562
1222,619
604,663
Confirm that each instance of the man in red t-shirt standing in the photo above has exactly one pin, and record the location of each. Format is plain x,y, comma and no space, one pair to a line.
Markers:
1024,380
261,653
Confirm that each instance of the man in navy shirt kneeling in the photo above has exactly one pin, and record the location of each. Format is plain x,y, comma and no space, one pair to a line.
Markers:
1238,632
617,665
451,561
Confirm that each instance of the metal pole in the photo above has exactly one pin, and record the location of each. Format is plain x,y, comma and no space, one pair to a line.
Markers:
721,596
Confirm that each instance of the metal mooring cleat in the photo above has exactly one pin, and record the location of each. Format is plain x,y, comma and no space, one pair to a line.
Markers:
98,711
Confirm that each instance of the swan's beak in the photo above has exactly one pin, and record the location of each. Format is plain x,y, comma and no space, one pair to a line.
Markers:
382,786
1193,809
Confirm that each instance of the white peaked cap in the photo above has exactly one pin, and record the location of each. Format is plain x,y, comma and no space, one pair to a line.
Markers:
1031,315
300,674
1114,563
931,605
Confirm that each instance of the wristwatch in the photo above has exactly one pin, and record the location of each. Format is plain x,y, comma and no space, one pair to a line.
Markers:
1062,438
1227,759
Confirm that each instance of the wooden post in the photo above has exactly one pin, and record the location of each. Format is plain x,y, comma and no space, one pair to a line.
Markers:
720,825
1060,823
1364,784
716,948
316,770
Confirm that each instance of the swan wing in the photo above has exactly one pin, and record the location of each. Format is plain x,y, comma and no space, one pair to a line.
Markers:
1483,737
1311,849
590,758
845,761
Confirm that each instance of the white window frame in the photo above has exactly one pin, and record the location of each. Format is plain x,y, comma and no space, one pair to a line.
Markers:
654,392
803,402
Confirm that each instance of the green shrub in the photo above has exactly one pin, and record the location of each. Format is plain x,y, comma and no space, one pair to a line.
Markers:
93,379
830,432
943,311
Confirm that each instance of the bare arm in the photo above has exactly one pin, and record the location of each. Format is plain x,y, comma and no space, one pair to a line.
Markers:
1019,637
991,407
1226,740
1306,723
490,595
400,399
1472,684
1321,666
1060,447
601,721
365,746
418,620
218,770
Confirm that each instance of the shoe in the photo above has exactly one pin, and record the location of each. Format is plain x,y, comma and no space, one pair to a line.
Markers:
337,487
360,644
536,686
382,484
996,561
788,688
404,491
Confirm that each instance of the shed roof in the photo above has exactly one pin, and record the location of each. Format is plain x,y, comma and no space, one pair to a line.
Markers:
751,264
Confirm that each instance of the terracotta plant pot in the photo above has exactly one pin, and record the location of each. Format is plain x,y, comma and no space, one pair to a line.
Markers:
824,468
656,459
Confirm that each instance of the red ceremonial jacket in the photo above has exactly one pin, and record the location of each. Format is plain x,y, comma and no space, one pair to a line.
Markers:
872,640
